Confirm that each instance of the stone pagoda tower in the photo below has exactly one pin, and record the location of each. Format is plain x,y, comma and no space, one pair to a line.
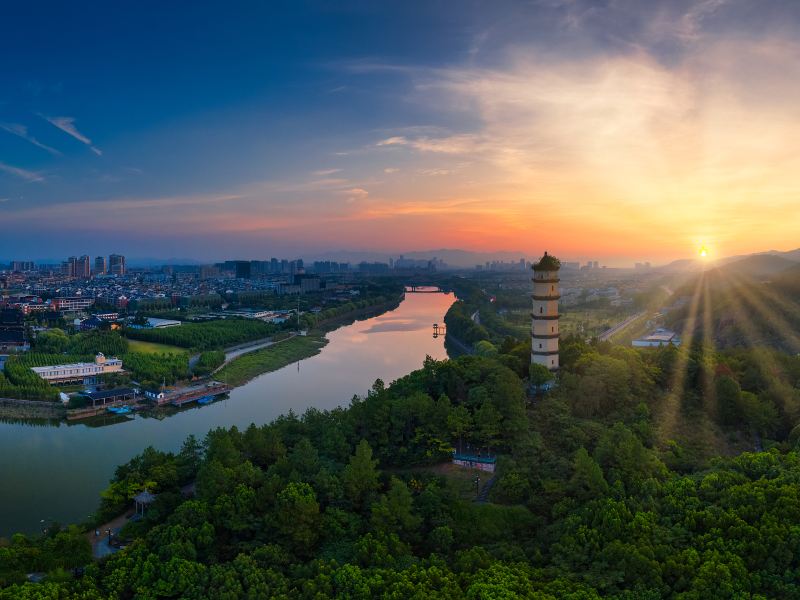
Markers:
544,318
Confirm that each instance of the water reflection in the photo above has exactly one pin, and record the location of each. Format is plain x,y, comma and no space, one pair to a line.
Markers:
56,471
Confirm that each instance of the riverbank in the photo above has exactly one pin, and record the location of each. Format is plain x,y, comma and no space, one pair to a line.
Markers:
252,364
351,317
14,408
259,360
277,355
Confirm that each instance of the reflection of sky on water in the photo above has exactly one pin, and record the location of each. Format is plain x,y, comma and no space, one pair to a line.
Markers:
58,471
399,325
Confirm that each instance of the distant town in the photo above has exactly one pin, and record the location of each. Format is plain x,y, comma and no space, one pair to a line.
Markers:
80,281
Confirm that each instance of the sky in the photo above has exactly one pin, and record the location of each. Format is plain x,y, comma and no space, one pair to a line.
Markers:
617,130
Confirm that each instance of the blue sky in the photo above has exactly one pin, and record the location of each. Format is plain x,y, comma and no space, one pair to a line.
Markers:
212,129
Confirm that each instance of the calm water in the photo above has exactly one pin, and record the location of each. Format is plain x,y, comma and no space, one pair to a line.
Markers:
57,472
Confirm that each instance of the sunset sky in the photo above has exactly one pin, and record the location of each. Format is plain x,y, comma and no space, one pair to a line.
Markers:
618,130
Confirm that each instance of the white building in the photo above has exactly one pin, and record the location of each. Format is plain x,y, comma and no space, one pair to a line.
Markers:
544,318
153,323
660,337
79,371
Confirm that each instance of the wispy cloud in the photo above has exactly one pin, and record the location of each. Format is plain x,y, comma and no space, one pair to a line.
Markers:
624,144
451,144
435,172
397,140
67,125
31,176
326,172
22,131
354,194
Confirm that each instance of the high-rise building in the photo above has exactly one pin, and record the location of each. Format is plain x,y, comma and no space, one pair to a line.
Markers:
116,264
70,266
100,265
83,267
243,269
22,265
544,318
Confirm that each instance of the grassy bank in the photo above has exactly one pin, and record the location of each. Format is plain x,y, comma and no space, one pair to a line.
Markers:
247,366
153,347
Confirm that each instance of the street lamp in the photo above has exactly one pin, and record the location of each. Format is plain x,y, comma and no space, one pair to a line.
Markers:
477,485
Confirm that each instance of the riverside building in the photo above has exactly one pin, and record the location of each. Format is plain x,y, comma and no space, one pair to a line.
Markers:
79,372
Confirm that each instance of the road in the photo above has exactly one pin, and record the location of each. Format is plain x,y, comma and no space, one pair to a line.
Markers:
606,335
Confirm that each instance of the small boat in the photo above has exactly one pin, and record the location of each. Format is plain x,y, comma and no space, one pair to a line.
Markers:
119,410
205,400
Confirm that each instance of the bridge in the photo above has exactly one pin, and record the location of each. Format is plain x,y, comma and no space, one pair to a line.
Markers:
423,289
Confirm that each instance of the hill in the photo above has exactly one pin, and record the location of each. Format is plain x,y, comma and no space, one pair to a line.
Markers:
757,266
742,305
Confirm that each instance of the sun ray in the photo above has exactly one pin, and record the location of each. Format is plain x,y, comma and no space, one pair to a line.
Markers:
709,346
671,405
764,361
757,299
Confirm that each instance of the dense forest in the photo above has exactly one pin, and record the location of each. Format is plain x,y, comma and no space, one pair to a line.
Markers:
601,490
210,335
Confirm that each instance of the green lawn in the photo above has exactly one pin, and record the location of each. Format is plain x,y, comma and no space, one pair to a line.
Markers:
252,364
152,347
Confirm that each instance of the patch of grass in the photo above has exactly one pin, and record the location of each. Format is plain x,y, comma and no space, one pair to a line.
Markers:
247,366
152,347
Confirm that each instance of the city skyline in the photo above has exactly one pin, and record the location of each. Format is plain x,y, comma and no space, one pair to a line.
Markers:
624,132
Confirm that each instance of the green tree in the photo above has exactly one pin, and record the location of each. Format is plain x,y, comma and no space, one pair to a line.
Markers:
539,374
487,423
360,476
394,512
459,422
587,481
298,517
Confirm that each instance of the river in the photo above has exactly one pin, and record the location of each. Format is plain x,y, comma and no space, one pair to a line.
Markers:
56,472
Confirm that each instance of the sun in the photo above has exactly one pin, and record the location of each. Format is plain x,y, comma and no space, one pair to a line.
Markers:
703,251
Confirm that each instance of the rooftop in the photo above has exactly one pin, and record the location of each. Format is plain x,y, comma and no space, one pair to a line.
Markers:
547,263
109,393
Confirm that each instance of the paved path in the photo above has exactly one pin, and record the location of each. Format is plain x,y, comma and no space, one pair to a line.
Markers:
237,351
483,497
100,545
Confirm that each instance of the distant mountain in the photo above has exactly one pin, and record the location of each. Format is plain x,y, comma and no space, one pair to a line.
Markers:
754,301
769,266
681,265
791,255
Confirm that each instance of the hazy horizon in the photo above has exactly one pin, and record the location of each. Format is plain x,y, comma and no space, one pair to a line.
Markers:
455,257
